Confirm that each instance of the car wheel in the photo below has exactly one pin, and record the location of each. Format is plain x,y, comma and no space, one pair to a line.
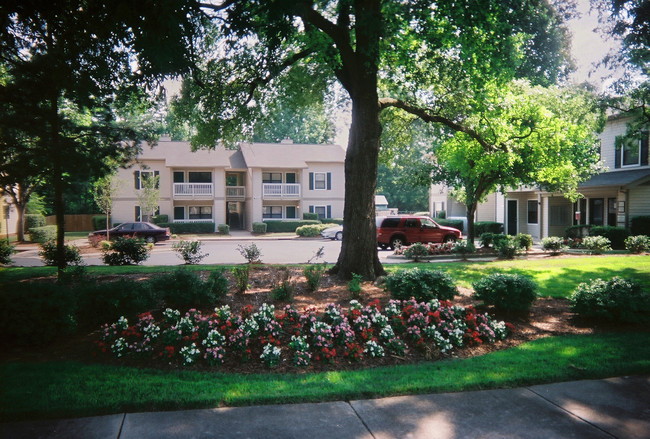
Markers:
449,239
150,239
339,236
397,242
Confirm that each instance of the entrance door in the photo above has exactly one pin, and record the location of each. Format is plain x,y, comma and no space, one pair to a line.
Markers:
511,214
611,212
596,211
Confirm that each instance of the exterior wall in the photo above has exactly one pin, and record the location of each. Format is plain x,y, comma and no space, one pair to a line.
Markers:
8,226
639,201
614,127
487,210
318,197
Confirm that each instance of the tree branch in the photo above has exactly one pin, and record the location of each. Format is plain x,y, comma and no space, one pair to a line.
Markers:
426,116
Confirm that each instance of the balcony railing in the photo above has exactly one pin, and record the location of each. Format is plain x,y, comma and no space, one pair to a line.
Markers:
193,190
280,190
209,220
235,192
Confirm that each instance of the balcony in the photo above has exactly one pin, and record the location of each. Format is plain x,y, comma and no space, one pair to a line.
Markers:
193,191
235,193
280,191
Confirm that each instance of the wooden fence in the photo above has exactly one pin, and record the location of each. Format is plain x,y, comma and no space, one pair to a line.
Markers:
74,223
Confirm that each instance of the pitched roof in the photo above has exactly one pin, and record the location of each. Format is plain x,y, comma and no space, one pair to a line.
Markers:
289,155
179,154
630,177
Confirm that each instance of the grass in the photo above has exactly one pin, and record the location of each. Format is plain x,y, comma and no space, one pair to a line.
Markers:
68,389
556,277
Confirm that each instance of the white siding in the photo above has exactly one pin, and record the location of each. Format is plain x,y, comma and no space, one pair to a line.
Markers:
639,200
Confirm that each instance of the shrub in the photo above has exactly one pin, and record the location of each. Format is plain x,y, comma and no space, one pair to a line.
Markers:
33,220
524,240
442,214
283,287
42,234
596,244
497,238
279,226
218,283
508,248
553,244
640,225
423,285
251,253
314,274
241,277
259,227
487,239
6,250
416,251
616,235
637,244
464,248
223,229
125,251
160,219
457,224
615,300
354,286
310,216
311,230
99,222
100,303
507,292
34,313
71,255
183,289
189,251
330,221
181,228
577,231
481,227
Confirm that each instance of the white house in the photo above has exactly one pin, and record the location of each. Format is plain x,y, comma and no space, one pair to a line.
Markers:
610,198
256,182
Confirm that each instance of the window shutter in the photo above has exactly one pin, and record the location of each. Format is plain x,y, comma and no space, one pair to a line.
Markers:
136,179
617,154
329,182
137,213
311,209
329,210
157,174
311,182
644,148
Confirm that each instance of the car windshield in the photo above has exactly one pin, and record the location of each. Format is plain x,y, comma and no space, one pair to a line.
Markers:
426,222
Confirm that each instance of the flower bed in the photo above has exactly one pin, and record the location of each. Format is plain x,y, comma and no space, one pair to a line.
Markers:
300,338
431,248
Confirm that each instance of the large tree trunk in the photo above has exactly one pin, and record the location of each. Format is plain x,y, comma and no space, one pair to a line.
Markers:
20,225
471,211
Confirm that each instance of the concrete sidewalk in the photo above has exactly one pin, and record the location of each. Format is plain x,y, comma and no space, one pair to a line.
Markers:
615,407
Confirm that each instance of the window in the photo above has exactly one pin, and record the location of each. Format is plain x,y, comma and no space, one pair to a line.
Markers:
179,213
272,212
320,181
231,180
200,177
290,212
200,212
290,177
139,177
631,153
179,177
532,211
271,177
321,211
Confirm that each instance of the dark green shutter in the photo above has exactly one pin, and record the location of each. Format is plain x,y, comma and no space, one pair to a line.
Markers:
136,179
311,209
311,181
644,148
329,211
329,182
157,174
137,213
617,153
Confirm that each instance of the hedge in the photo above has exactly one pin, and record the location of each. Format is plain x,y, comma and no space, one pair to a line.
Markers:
481,227
259,227
338,221
34,220
224,229
287,225
160,219
578,231
309,216
616,235
458,224
189,227
42,234
99,222
311,230
640,225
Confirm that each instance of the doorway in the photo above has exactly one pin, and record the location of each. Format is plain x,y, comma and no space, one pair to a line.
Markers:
512,215
596,211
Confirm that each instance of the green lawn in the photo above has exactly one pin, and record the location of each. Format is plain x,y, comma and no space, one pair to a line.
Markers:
67,389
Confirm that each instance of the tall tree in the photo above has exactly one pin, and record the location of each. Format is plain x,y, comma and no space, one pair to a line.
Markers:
66,62
361,44
104,191
519,136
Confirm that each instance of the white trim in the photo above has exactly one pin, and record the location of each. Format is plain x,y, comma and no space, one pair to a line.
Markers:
638,163
324,213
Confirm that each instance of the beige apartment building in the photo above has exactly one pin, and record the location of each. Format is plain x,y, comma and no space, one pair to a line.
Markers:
253,183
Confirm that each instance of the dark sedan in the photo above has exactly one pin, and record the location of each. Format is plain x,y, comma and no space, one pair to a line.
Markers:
150,232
